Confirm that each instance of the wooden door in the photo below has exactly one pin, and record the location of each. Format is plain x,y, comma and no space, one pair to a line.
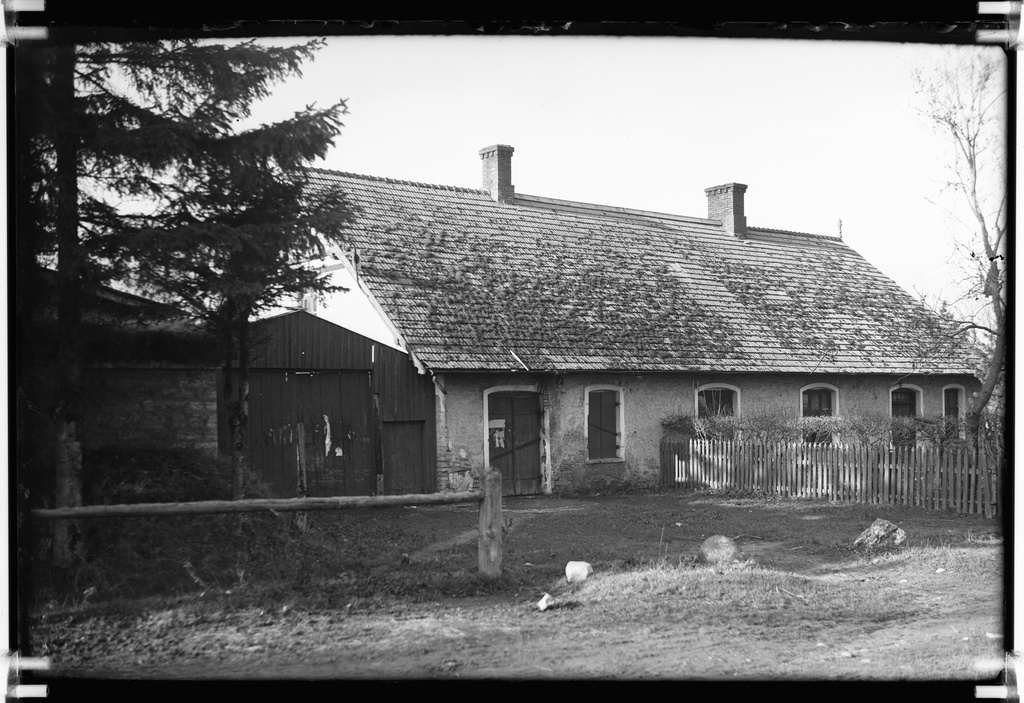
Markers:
319,421
514,441
404,399
402,458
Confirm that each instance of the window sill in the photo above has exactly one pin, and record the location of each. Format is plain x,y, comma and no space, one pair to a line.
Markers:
616,460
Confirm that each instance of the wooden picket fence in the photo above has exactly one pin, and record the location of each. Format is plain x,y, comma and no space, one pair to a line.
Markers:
957,479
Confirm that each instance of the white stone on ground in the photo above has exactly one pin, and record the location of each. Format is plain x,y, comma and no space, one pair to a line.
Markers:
577,571
718,550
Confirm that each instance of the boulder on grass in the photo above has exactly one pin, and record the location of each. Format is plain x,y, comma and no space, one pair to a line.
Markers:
718,550
881,533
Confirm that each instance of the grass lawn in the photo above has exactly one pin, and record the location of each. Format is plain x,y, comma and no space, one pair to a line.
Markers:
393,593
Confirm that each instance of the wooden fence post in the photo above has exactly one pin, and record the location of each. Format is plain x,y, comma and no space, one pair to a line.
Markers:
814,483
841,459
914,459
922,476
874,473
900,457
972,482
940,480
857,476
491,540
959,472
713,472
764,466
830,471
882,457
300,476
986,500
790,463
926,477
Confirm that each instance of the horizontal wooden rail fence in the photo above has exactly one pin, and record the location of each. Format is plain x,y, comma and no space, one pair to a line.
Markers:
277,505
958,479
489,498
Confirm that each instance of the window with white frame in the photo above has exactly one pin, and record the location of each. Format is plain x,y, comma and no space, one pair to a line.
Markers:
717,399
818,400
953,410
904,402
604,427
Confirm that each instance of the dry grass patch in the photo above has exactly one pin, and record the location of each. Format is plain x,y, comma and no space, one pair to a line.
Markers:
745,593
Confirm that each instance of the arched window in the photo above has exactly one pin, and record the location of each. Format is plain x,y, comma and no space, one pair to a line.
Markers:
904,402
715,399
819,400
953,410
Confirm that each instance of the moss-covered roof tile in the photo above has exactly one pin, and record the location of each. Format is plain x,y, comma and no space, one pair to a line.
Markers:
472,284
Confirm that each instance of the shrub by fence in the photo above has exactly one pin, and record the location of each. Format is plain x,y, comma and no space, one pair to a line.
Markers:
950,479
491,532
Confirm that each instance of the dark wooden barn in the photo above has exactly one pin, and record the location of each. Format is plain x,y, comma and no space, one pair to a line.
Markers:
334,413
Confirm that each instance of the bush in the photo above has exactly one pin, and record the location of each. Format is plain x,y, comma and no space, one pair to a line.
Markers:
165,555
153,475
774,427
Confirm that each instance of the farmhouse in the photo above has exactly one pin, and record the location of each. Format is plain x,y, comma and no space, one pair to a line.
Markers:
560,335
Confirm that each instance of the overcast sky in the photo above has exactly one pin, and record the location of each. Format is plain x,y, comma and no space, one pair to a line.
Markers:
819,131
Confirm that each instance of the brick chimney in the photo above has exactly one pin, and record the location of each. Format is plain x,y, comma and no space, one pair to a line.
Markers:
725,203
497,162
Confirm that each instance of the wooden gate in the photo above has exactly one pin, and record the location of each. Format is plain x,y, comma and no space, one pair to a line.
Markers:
407,424
319,421
514,441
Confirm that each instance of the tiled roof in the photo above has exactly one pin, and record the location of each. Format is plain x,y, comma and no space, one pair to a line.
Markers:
543,284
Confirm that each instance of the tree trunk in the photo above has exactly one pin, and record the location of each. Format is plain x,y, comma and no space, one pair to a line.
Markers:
238,412
70,265
243,401
972,418
234,421
239,417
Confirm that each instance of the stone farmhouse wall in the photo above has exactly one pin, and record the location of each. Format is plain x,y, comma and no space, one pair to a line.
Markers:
647,399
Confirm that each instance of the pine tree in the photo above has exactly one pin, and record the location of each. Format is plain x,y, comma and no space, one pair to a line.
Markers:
135,169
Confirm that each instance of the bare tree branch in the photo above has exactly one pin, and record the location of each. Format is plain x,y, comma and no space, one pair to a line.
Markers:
963,97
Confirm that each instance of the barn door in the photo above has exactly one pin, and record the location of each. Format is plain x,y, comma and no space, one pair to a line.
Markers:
335,408
513,440
402,458
313,428
406,424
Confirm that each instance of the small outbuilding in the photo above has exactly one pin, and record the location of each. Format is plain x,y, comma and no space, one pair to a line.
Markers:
332,412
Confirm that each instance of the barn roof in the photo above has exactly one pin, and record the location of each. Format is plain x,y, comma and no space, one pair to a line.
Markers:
543,284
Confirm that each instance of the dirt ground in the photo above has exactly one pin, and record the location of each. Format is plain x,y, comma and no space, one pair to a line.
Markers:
946,624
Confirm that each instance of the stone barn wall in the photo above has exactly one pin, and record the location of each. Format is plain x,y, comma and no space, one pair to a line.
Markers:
165,406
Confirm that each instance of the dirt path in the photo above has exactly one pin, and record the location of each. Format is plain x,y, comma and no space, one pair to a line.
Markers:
488,638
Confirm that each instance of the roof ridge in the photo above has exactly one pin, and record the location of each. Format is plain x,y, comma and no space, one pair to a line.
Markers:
773,230
438,186
609,209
